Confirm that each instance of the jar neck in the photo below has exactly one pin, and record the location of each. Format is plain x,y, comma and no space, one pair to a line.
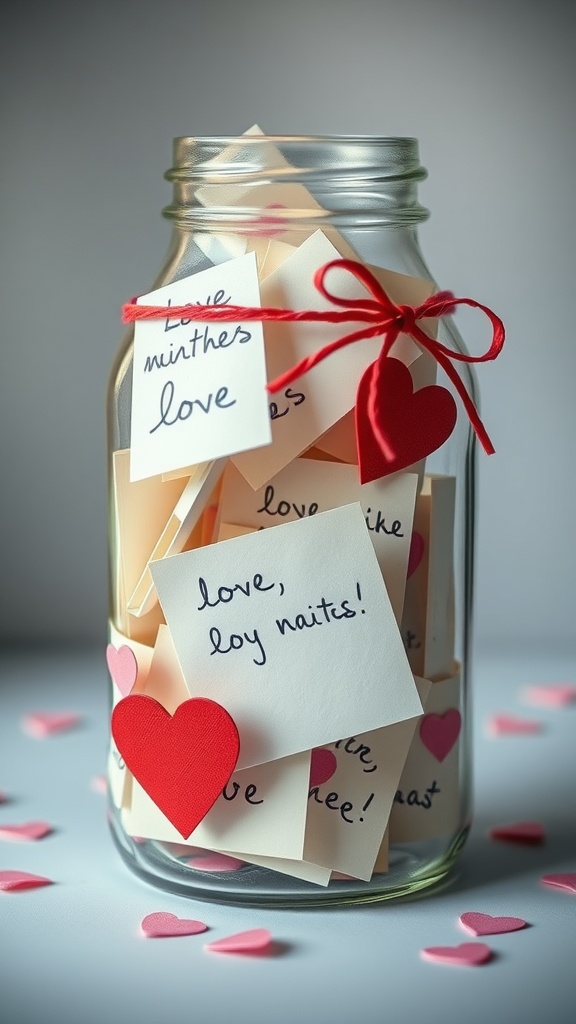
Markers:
346,182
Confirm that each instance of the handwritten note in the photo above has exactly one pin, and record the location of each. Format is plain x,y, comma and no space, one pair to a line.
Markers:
198,389
307,487
292,631
428,801
329,390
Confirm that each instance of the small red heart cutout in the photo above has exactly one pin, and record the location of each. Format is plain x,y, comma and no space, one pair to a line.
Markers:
416,552
323,764
415,423
184,760
485,924
467,954
529,832
440,732
122,666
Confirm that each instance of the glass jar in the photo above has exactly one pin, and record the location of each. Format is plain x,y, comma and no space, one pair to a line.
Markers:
268,195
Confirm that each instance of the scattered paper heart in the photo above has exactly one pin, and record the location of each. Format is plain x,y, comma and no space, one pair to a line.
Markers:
323,764
29,831
556,695
485,924
440,732
99,784
14,880
416,552
564,880
40,723
123,667
467,954
513,725
256,940
164,925
215,862
529,832
184,760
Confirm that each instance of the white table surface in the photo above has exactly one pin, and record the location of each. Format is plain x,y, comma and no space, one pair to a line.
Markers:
72,953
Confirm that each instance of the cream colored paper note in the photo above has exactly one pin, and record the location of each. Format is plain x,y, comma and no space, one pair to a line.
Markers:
296,868
261,810
428,617
327,392
186,514
274,627
307,487
348,814
427,803
198,390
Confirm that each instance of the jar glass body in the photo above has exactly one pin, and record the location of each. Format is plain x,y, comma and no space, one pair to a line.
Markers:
238,195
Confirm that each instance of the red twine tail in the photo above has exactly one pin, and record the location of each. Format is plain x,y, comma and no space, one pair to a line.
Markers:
381,316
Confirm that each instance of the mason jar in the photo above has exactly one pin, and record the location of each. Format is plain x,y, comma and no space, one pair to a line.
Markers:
277,200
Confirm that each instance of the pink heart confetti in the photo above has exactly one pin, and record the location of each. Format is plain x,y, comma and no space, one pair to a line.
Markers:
440,732
467,954
416,552
513,725
529,832
257,940
13,880
558,695
99,784
40,723
485,924
215,862
323,764
123,667
565,880
29,831
163,925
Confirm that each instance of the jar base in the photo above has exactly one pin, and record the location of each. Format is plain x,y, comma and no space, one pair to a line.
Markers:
415,869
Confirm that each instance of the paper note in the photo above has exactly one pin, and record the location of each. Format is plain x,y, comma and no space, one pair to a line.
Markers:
327,392
348,813
292,631
428,801
186,513
297,868
428,617
307,487
198,390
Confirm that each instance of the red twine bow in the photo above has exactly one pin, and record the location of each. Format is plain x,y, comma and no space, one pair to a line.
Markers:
381,316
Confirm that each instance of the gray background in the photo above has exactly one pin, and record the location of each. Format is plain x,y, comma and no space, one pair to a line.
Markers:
92,96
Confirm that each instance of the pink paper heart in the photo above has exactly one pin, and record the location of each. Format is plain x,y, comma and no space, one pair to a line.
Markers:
99,784
163,925
554,696
216,862
485,924
123,667
440,732
529,832
40,723
416,552
257,940
323,764
13,880
29,831
467,954
513,725
565,880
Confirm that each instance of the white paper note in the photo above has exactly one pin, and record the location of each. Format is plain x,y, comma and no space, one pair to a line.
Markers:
307,487
198,390
292,631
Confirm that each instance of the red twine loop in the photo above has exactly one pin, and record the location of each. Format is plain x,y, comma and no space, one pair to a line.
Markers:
381,316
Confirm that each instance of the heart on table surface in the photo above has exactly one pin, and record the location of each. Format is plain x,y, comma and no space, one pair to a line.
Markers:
467,954
323,764
513,725
46,723
416,552
28,832
552,695
485,924
562,880
256,940
182,761
122,666
529,832
414,423
439,732
164,925
13,880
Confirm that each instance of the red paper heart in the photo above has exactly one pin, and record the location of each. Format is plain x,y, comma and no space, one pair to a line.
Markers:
416,555
415,423
323,764
440,732
183,761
